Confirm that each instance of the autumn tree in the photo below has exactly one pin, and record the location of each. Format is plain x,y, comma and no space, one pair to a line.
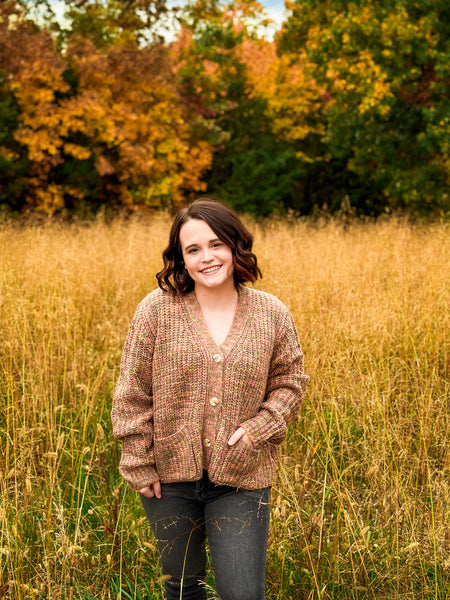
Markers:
30,78
384,69
104,21
101,123
221,60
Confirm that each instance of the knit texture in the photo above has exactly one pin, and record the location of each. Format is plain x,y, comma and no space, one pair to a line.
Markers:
168,364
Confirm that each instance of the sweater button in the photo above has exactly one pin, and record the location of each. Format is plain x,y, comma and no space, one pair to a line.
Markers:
214,401
207,443
217,358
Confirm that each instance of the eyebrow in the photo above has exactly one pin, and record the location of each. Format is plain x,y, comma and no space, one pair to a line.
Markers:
210,242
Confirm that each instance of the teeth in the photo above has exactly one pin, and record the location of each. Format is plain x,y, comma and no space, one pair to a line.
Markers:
210,270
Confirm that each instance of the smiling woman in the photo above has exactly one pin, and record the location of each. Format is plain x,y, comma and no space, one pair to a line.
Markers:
223,227
207,259
211,377
209,263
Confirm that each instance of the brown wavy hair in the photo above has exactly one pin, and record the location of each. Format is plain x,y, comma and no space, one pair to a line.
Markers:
229,229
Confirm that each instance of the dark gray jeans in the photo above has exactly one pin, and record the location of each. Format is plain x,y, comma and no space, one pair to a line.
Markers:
236,523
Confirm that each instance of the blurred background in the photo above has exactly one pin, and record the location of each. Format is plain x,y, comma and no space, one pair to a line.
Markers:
124,105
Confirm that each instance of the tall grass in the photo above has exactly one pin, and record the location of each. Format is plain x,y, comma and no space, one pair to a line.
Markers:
361,501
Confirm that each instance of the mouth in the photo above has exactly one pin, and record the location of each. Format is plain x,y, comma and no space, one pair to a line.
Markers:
210,270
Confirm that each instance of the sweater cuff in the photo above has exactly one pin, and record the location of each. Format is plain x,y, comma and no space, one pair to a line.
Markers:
139,477
262,428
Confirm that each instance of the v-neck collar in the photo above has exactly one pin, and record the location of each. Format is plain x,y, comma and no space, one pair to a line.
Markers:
195,313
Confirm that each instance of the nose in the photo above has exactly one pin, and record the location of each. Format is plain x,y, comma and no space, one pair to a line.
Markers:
206,255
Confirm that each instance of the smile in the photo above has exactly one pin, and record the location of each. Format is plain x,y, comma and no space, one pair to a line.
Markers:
211,269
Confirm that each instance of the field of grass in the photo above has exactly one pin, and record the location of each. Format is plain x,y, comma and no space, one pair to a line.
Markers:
361,501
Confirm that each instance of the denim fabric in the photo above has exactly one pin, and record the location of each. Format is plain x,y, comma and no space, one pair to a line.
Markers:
236,522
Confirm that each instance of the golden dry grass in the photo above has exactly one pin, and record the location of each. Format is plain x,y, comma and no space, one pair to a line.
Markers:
361,502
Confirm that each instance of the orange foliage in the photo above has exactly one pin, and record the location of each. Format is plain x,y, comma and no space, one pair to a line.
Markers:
292,96
260,59
123,114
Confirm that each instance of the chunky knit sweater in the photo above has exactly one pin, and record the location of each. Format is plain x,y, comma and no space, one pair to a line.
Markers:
164,391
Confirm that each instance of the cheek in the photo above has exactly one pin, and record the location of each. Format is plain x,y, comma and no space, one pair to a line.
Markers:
232,259
228,255
188,265
231,268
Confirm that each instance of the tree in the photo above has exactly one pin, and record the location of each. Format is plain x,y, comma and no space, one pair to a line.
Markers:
222,61
385,70
103,21
95,125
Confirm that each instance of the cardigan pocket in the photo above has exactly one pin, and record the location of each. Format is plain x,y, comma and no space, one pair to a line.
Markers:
175,457
242,460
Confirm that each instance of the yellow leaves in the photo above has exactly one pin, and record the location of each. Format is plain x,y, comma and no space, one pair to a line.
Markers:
35,75
397,24
294,100
78,152
363,78
259,57
197,160
167,146
42,145
165,187
50,198
7,154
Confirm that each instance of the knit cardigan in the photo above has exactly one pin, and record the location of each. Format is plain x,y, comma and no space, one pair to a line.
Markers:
162,391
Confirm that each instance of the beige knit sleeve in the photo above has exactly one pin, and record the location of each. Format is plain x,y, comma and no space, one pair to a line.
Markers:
285,390
132,409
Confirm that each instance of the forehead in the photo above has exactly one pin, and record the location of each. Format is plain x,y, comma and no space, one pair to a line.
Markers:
196,231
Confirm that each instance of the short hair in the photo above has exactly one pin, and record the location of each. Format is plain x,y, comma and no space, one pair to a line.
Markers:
226,224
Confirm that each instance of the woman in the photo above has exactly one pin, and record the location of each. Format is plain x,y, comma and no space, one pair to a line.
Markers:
211,376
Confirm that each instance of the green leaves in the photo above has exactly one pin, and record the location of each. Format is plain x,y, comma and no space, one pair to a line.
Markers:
385,68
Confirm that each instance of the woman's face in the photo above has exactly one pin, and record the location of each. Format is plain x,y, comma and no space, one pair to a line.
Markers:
208,260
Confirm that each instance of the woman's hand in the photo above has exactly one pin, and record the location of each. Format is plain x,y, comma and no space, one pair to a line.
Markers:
240,434
154,489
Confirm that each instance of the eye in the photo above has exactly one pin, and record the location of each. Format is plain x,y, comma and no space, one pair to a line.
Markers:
217,244
192,250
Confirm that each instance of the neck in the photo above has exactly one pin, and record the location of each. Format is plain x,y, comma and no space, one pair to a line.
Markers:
216,298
